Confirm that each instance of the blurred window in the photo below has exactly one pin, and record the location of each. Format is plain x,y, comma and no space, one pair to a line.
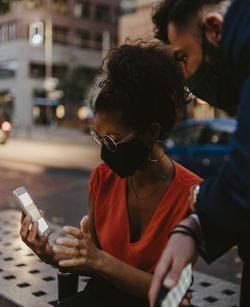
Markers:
8,69
128,6
60,35
4,33
98,41
82,9
83,38
115,40
102,13
59,71
13,31
116,15
60,6
6,105
37,70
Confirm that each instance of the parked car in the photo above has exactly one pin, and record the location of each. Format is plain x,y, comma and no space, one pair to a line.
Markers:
201,146
5,128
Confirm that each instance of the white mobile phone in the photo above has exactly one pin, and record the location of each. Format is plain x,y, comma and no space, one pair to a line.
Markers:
174,296
29,208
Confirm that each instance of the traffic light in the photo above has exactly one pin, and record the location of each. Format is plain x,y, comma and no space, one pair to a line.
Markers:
36,33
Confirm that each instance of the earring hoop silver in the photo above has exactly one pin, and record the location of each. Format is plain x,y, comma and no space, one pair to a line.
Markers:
157,160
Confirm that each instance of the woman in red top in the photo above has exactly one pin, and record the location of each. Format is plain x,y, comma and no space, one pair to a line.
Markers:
138,194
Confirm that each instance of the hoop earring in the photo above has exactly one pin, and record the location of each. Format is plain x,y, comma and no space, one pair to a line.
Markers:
162,142
157,160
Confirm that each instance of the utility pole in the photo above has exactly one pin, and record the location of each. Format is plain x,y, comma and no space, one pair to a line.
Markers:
48,84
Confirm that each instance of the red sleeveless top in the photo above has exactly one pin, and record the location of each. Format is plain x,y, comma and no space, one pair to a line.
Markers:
108,192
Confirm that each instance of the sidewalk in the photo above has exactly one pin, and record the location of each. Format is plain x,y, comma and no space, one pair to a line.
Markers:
28,282
24,279
57,134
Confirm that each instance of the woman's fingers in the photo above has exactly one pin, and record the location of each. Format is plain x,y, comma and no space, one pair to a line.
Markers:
33,232
40,246
68,242
44,240
85,223
25,227
76,232
73,251
23,215
72,262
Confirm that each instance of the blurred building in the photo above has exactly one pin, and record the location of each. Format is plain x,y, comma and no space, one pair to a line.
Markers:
77,36
128,6
135,21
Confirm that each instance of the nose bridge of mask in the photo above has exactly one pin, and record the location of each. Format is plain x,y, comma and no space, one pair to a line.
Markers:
128,157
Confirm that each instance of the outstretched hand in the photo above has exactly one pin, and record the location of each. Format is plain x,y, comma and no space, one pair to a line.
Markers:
179,252
81,250
39,245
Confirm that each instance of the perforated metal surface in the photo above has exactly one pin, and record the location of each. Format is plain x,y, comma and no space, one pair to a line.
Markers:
211,291
28,282
24,279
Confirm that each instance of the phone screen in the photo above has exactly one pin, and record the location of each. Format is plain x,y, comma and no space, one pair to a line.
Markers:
33,211
174,296
30,208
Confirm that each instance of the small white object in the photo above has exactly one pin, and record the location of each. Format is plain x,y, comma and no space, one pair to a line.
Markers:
176,294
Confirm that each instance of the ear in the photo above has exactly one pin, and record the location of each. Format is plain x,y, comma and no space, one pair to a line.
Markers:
154,131
213,24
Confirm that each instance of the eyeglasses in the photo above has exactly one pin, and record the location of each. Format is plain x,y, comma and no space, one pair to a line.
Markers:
107,140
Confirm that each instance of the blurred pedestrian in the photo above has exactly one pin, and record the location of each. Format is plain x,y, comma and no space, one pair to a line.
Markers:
211,38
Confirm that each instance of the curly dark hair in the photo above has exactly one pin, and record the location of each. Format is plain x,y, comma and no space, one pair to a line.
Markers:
144,84
181,12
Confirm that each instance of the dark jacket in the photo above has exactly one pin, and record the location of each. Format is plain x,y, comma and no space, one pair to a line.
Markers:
224,200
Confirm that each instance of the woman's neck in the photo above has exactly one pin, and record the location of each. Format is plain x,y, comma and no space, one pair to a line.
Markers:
154,172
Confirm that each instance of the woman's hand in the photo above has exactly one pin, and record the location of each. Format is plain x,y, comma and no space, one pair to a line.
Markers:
39,245
81,249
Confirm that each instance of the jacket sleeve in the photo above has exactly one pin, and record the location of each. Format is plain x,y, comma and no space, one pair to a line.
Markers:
223,203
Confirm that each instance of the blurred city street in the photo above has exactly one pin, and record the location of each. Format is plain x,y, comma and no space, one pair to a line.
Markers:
51,52
55,169
55,172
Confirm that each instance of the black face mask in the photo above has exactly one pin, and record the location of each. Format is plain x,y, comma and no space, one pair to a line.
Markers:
211,82
129,157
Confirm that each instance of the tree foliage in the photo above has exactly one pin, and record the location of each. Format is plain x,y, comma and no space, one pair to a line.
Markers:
5,6
75,84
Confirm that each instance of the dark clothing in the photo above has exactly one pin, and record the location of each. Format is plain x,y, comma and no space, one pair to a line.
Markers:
99,293
224,200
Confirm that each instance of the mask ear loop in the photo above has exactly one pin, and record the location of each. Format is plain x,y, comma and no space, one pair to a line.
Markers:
157,160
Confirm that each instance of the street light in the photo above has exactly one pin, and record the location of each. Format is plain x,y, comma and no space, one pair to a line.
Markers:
39,32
